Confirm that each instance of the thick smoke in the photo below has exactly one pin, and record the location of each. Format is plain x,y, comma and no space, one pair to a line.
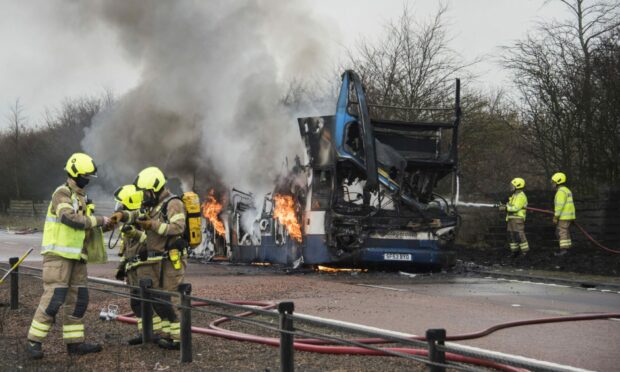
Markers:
208,108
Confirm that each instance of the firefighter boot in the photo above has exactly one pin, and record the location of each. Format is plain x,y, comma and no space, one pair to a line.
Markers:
34,350
83,348
166,343
138,340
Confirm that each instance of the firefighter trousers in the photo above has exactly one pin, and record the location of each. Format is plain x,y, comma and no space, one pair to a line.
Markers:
171,278
64,291
516,235
562,232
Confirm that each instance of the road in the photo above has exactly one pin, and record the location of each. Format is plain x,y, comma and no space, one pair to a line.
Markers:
460,304
14,245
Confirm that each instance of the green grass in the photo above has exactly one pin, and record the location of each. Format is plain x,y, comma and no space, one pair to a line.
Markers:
21,223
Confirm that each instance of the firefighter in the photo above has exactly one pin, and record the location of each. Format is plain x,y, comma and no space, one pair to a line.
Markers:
66,236
564,212
133,242
515,218
164,224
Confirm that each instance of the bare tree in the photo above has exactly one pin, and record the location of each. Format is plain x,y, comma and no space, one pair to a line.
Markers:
16,122
411,66
554,73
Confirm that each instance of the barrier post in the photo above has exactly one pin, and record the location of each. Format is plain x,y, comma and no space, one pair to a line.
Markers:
287,340
185,289
14,283
436,337
146,308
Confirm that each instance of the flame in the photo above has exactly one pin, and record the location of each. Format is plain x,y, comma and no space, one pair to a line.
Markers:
327,269
284,212
211,210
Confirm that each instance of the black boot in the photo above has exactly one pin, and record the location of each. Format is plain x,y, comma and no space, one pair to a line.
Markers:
34,350
561,253
166,343
138,340
514,254
83,348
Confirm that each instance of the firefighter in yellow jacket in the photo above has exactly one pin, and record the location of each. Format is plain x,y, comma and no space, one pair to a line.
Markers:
164,224
133,243
515,218
66,236
564,212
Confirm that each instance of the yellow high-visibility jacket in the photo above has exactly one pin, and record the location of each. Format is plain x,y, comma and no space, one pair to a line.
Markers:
517,204
564,206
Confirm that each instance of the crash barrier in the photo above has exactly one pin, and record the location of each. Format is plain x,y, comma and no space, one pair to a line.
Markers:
38,208
432,350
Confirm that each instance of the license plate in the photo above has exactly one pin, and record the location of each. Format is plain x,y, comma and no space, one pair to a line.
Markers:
396,257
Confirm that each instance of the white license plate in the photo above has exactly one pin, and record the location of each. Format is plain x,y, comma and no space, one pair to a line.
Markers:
396,257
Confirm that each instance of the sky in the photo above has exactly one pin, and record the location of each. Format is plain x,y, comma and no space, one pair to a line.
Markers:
43,62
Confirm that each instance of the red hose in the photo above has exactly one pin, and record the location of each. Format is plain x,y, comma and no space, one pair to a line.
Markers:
323,347
580,228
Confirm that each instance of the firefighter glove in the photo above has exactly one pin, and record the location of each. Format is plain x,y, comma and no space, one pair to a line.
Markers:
143,254
145,224
121,273
116,217
502,208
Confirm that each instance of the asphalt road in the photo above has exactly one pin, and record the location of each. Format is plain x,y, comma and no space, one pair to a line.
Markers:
414,304
15,245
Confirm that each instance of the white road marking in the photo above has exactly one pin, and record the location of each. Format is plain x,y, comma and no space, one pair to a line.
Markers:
382,287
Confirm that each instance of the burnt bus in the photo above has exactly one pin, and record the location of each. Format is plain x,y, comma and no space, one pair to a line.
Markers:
373,183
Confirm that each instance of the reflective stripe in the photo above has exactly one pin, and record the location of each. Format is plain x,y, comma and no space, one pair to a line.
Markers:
35,332
73,327
51,219
78,334
162,229
176,217
93,221
55,248
524,247
41,326
62,206
514,216
565,243
142,237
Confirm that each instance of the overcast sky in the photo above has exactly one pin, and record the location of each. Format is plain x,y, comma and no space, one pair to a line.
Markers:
42,62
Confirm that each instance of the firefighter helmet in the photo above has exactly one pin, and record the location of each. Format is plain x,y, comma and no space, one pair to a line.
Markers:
129,196
80,164
518,183
558,178
151,178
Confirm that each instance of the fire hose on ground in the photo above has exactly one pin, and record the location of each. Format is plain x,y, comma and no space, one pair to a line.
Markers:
585,233
327,347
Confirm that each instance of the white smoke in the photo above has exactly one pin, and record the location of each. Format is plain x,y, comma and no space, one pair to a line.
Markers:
208,107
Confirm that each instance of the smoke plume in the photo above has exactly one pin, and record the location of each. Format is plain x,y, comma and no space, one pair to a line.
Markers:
209,104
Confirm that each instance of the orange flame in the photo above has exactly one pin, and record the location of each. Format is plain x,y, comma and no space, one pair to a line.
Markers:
284,212
211,210
327,269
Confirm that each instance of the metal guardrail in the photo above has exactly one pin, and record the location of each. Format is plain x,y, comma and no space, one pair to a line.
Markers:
435,338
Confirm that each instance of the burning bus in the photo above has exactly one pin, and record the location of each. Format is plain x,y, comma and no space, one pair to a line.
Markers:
366,193
372,183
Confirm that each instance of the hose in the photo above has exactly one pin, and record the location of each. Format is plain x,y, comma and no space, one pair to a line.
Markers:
327,347
585,233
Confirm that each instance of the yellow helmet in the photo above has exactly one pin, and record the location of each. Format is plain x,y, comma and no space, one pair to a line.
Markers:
151,178
558,178
518,183
129,196
81,164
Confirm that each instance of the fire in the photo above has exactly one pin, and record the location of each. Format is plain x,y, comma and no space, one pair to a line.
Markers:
327,269
284,212
211,210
